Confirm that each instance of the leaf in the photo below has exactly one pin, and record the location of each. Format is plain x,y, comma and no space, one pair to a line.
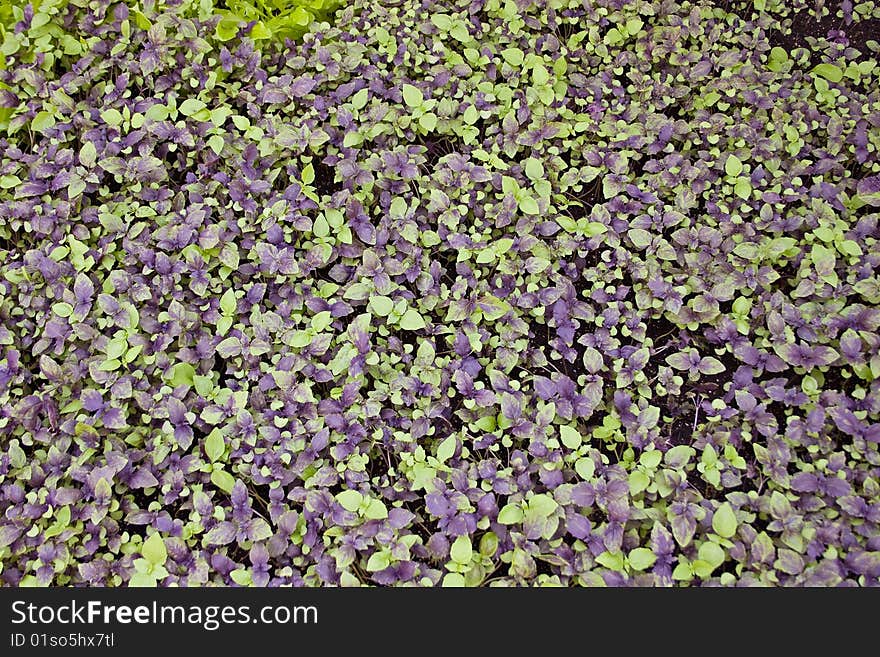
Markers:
712,554
142,581
733,166
640,238
227,28
241,576
509,185
216,144
228,302
76,187
638,481
153,550
141,20
570,437
300,16
651,459
43,121
528,205
88,155
611,560
321,320
540,75
376,510
453,580
849,247
486,423
683,572
460,32
308,174
489,544
743,188
778,54
215,445
142,478
412,96
62,309
641,558
229,347
702,569
301,339
633,25
103,489
260,31
724,521
542,505
513,56
868,190
412,321
593,229
461,551
359,100
746,250
9,534
8,182
613,37
710,456
710,366
585,467
320,228
110,365
350,500
381,305
302,86
683,528
158,112
223,480
823,259
223,324
378,561
511,514
181,374
780,507
428,121
221,534
679,456
534,169
191,106
830,72
112,117
446,449
398,207
352,139
679,361
789,562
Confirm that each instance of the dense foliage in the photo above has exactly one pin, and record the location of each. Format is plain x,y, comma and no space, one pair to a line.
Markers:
450,293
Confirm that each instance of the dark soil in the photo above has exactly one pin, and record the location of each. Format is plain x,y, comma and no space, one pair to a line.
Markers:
804,24
325,178
436,148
